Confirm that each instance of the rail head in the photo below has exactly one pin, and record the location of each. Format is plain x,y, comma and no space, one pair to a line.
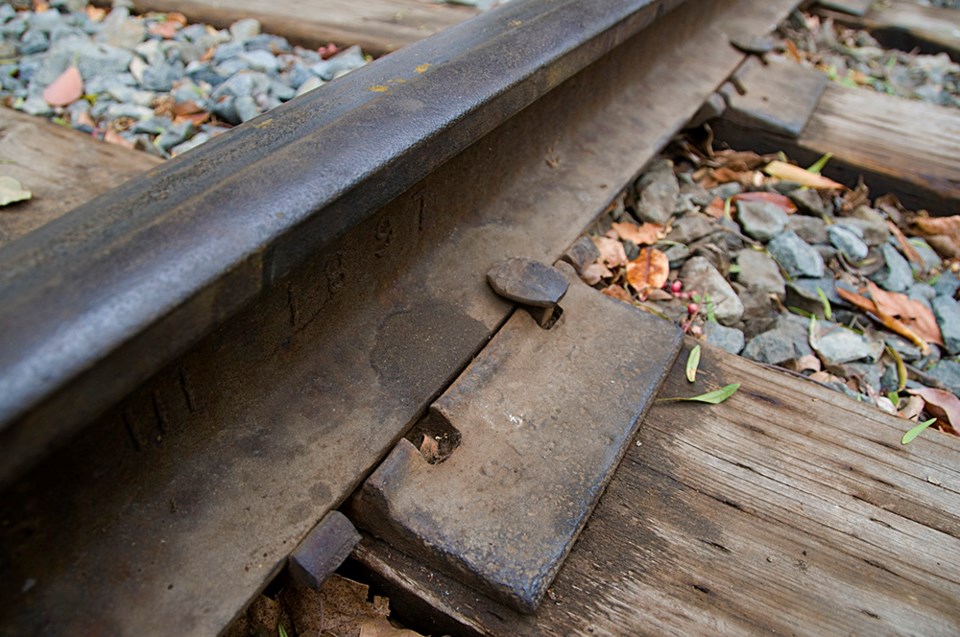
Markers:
95,302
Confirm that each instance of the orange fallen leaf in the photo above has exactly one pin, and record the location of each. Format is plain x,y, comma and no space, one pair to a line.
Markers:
66,89
188,107
648,271
647,234
113,137
96,14
911,313
612,253
166,30
798,175
179,18
717,208
892,324
617,292
196,118
40,6
942,404
793,51
772,197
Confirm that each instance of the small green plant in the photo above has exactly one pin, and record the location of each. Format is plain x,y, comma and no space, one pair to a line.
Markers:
827,310
916,431
693,362
712,398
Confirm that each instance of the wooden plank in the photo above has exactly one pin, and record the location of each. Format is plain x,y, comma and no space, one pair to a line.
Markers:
378,26
852,7
906,25
788,509
63,168
781,96
902,146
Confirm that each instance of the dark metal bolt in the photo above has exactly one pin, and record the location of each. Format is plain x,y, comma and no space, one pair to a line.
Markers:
534,285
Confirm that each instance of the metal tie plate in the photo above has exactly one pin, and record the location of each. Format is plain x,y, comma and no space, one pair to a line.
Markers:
543,417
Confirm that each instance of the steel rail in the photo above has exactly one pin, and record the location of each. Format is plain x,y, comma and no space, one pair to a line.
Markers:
94,303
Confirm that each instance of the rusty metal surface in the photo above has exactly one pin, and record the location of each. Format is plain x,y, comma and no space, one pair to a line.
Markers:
323,550
544,418
187,497
95,302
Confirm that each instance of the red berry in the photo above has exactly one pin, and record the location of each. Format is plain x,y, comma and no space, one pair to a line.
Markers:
693,308
676,286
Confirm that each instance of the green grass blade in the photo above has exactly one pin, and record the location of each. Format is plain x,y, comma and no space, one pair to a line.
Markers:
901,368
916,431
693,362
819,164
711,398
827,310
282,630
894,398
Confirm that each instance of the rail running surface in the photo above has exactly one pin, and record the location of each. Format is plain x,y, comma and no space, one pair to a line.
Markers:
231,343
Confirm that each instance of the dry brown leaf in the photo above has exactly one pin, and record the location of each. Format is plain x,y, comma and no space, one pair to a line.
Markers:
176,16
717,208
772,197
798,175
594,273
66,89
649,271
911,313
825,377
612,253
380,627
858,196
166,30
725,175
196,118
890,206
430,448
793,51
96,14
948,227
739,160
911,410
188,107
808,363
885,319
645,235
942,404
617,292
113,137
906,247
659,294
84,119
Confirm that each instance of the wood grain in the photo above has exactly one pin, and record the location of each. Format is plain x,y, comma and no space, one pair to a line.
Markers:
789,509
63,168
903,146
378,26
